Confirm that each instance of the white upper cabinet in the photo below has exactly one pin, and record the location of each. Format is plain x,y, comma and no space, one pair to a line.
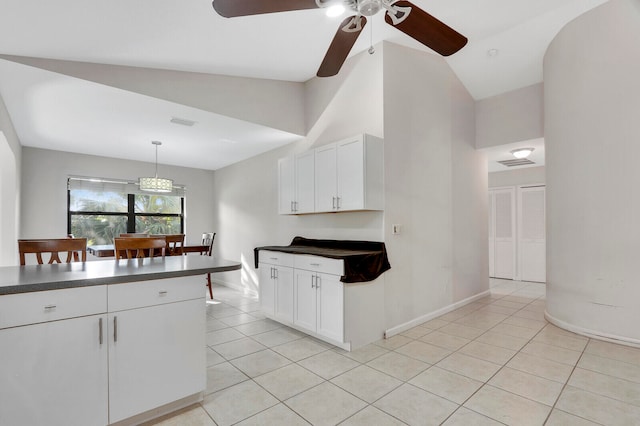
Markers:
326,179
305,175
295,184
342,176
350,175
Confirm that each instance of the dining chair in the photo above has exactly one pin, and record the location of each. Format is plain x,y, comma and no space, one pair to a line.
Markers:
207,240
76,249
139,247
175,244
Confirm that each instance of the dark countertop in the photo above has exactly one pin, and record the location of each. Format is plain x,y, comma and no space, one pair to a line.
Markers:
363,260
30,278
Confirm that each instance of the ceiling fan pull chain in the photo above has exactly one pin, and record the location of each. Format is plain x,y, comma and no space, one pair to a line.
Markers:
371,49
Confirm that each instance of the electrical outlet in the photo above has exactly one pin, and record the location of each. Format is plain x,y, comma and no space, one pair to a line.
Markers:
395,229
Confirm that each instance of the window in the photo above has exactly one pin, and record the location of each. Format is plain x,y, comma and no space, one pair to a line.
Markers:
101,210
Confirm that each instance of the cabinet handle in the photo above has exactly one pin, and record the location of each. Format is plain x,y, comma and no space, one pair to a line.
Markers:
273,258
271,272
49,307
333,202
115,329
338,198
312,283
275,273
162,293
100,330
292,207
317,282
314,264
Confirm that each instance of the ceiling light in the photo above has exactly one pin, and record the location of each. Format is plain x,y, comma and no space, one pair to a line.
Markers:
155,184
335,10
522,152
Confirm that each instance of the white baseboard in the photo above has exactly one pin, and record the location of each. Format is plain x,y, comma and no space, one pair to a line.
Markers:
245,291
594,334
424,318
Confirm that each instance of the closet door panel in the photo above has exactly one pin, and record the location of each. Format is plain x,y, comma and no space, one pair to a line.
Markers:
532,233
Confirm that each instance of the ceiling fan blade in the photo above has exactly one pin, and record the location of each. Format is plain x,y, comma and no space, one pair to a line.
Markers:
341,45
426,29
234,8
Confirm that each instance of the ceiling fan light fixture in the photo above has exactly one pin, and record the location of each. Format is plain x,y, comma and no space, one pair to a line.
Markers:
335,10
155,184
522,152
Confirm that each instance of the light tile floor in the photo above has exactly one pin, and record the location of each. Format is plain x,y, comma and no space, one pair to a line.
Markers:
495,361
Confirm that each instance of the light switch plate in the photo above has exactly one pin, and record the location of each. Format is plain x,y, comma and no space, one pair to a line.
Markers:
395,229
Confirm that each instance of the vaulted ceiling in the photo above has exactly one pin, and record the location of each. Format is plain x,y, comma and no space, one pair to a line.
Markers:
190,36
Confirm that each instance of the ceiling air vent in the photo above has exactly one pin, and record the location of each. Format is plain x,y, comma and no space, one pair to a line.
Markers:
516,162
182,121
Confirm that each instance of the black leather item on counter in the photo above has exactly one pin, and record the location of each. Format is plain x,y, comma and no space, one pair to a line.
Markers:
363,260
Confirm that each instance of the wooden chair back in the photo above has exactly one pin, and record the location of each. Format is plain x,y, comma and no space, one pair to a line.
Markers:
131,248
207,240
76,249
175,244
135,235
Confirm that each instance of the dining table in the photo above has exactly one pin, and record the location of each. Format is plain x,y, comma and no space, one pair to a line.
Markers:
107,250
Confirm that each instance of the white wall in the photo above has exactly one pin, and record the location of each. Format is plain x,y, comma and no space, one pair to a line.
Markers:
435,187
10,166
510,117
526,176
44,189
592,132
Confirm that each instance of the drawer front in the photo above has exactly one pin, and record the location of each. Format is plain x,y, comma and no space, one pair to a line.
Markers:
319,264
43,306
140,294
277,258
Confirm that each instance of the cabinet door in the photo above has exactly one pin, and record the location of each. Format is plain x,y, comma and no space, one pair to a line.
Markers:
156,356
305,180
286,185
330,306
325,178
350,174
304,293
54,373
267,289
284,294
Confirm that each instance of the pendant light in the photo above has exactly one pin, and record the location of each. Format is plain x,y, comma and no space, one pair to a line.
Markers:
155,184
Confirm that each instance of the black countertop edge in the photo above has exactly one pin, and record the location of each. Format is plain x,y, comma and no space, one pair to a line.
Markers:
33,278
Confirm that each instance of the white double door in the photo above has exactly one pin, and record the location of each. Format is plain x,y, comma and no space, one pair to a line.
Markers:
517,235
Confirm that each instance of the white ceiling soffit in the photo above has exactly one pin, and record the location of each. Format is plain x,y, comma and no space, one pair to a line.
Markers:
503,152
190,36
106,121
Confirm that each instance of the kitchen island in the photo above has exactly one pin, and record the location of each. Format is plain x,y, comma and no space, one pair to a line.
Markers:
104,342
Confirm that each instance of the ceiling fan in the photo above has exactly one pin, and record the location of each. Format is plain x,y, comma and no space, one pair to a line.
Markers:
400,14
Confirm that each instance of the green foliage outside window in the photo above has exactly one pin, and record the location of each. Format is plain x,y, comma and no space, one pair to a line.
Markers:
101,216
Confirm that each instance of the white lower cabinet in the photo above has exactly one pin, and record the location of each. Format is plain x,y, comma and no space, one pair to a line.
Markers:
153,359
305,300
319,304
276,284
98,355
54,373
305,292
